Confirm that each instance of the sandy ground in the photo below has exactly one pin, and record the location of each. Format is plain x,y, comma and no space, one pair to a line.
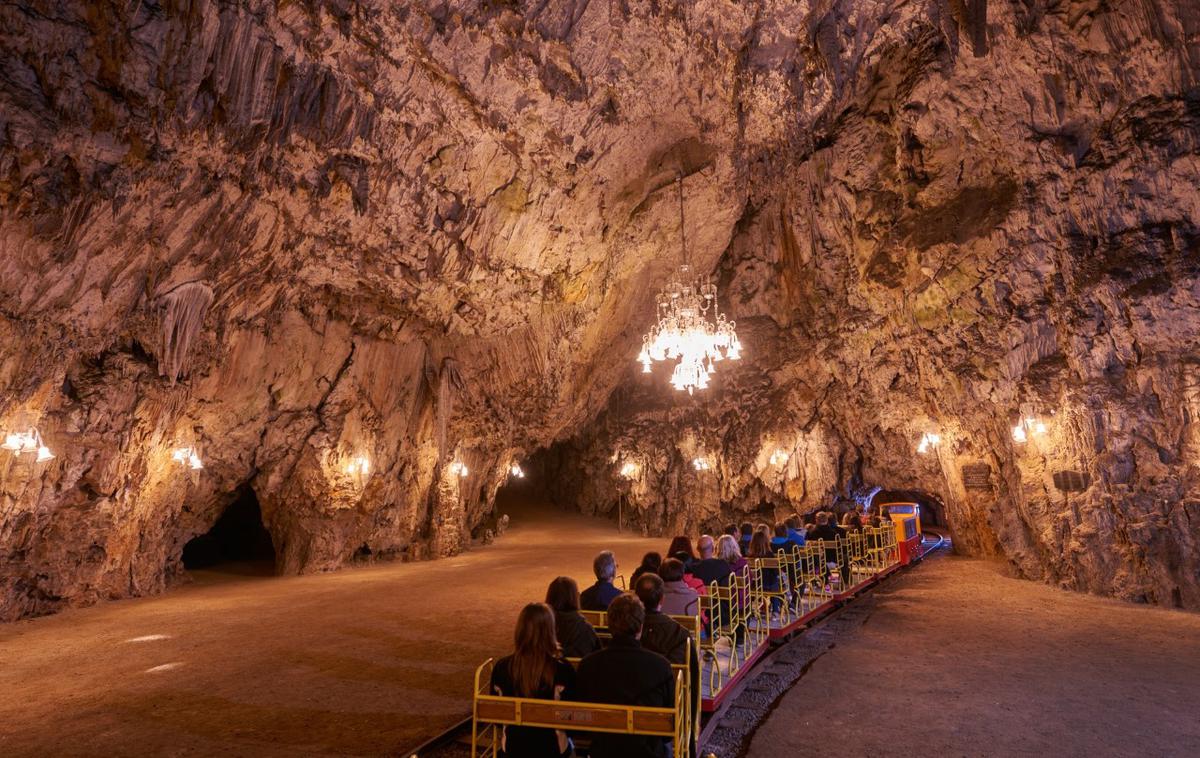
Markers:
958,660
359,662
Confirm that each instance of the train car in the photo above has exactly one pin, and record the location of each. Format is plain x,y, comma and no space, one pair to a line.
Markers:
900,510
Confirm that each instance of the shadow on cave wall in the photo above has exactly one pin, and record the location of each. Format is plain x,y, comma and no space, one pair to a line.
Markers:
237,543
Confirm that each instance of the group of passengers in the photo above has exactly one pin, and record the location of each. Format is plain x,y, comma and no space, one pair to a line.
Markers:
634,668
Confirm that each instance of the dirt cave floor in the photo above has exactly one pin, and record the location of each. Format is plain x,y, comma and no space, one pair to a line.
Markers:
959,660
365,661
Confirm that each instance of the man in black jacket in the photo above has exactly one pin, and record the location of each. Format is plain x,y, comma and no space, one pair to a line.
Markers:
663,635
709,569
626,674
660,633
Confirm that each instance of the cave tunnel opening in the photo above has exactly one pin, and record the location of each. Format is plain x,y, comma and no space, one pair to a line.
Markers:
528,492
237,543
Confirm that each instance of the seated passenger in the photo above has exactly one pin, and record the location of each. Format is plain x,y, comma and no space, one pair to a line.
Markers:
660,633
536,670
747,530
732,530
681,548
626,674
728,551
781,540
678,598
709,568
826,530
852,521
794,533
599,595
575,635
650,565
760,547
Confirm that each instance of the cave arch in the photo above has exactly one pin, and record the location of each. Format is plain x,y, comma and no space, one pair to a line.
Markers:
237,542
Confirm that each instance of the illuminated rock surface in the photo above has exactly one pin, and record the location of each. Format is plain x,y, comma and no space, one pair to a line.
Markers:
293,235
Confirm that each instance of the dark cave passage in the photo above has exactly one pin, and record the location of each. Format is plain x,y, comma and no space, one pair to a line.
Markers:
237,543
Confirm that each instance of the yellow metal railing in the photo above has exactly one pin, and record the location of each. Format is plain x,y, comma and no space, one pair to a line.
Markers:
490,713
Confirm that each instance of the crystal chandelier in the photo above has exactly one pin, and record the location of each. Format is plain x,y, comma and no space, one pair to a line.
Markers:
690,328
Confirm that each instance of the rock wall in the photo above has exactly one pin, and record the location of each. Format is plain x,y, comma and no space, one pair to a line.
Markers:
966,237
297,235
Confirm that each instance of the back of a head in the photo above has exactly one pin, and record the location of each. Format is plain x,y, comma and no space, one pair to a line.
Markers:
671,570
563,594
781,530
535,649
605,566
793,522
747,528
732,530
682,544
649,589
626,614
651,561
728,550
760,545
705,546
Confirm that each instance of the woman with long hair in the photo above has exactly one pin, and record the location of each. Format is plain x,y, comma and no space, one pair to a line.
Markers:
681,549
760,547
535,670
728,551
650,564
576,637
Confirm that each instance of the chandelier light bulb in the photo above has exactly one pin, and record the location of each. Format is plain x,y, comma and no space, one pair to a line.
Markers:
44,454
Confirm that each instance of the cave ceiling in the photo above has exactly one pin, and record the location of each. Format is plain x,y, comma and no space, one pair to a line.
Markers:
295,235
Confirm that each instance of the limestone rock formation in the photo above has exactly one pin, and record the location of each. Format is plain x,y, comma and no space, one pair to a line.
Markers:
338,247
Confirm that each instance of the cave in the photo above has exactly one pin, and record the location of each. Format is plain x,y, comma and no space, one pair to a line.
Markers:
238,542
682,263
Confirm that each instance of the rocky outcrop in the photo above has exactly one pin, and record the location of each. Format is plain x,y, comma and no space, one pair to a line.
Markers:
299,236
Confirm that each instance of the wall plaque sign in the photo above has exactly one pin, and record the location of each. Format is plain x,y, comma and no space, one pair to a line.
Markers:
1072,481
977,476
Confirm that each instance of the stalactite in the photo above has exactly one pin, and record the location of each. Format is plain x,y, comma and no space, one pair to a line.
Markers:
449,382
183,310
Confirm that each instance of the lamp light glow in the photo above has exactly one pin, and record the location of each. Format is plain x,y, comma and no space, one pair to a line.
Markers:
701,464
779,457
187,456
28,442
928,440
629,470
517,471
359,466
460,468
